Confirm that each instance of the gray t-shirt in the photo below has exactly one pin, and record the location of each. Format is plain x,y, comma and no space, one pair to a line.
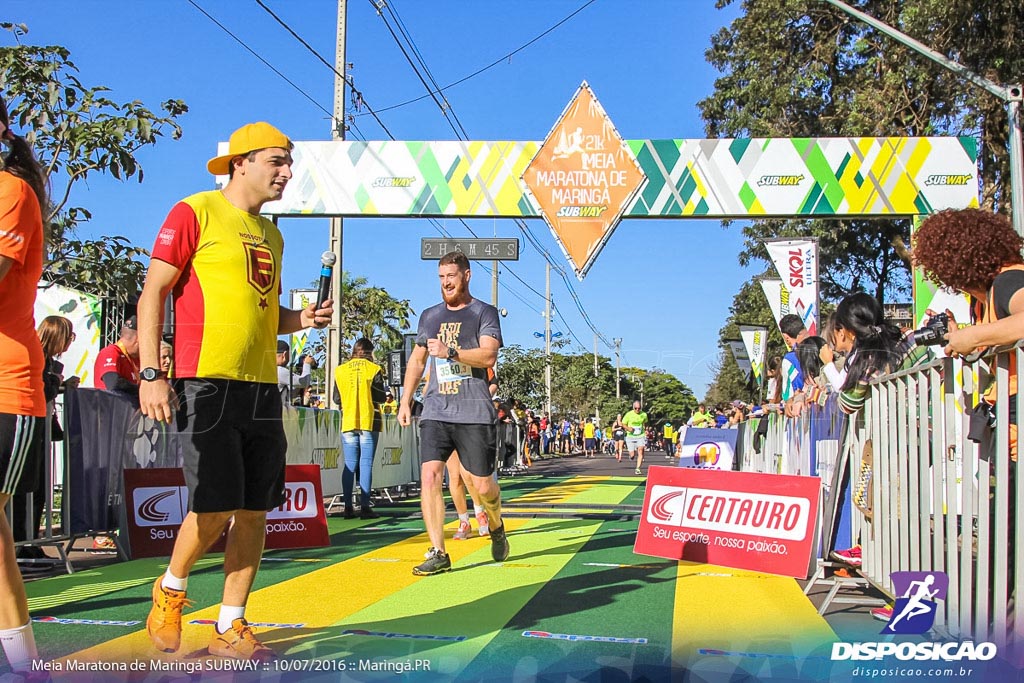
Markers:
457,392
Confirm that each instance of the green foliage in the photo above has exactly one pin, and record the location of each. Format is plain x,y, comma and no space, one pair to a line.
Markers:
371,312
577,392
791,68
797,69
365,312
76,131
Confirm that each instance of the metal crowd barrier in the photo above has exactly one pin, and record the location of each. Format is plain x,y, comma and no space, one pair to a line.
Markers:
940,501
55,505
919,493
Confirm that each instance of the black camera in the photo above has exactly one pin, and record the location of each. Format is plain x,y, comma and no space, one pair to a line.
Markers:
934,333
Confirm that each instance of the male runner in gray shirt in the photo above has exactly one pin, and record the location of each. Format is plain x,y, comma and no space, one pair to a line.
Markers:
461,338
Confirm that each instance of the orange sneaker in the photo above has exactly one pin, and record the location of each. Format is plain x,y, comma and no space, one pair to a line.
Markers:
240,643
164,621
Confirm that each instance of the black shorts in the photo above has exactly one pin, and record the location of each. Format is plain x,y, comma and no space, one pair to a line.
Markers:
233,444
475,444
21,452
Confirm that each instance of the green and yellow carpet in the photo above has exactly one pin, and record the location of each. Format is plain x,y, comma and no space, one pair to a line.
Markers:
572,602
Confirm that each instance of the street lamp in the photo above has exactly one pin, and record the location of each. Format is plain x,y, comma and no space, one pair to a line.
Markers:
547,335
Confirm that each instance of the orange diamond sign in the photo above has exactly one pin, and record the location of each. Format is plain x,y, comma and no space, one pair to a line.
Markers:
582,179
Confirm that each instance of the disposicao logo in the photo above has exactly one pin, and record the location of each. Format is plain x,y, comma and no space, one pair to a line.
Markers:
913,614
914,610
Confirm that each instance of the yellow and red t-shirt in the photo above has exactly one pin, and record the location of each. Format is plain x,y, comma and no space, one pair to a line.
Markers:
21,354
226,299
114,358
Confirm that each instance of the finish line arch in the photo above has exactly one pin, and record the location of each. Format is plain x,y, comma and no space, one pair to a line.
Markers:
584,177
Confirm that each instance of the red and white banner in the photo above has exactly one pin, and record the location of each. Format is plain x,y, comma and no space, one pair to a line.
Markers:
797,264
157,502
744,520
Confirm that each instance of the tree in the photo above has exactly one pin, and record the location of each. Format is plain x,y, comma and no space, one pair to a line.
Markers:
797,69
371,312
77,131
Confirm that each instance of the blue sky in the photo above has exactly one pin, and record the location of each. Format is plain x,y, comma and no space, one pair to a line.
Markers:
664,287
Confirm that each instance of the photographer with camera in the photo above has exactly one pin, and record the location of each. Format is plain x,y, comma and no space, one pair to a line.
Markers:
978,252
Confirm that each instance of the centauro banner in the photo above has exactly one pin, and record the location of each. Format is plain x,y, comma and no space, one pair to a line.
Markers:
797,264
755,340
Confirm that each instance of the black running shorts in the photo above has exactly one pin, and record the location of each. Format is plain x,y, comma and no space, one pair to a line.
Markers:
475,443
21,452
233,444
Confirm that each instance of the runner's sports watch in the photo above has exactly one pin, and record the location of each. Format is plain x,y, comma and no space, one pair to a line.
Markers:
452,352
152,374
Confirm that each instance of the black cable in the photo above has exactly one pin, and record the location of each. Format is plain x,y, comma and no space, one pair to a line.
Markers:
347,79
494,63
257,56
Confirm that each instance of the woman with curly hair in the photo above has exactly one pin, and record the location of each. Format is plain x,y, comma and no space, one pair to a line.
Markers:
978,252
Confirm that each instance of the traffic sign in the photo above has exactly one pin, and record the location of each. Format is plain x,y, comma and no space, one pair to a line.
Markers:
488,249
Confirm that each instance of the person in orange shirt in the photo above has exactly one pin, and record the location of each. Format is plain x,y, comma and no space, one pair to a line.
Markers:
221,261
22,399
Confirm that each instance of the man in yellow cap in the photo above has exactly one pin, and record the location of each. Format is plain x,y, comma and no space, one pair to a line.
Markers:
221,261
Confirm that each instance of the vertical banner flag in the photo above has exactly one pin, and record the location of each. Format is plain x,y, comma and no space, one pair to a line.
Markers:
582,179
778,298
797,264
300,299
755,341
740,354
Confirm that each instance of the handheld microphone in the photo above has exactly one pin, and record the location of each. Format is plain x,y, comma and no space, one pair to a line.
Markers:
328,259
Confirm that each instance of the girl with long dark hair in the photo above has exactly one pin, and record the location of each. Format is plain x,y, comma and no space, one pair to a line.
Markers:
873,346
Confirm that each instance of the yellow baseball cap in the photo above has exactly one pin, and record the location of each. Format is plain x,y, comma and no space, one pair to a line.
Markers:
248,138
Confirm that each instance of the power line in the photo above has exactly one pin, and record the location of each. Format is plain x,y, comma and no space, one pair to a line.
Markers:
257,56
347,79
461,133
328,112
492,64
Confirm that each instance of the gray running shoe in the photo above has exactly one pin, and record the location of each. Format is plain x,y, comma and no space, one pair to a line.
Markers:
436,563
499,544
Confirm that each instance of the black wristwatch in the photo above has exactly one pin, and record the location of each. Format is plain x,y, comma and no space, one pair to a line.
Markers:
152,374
452,352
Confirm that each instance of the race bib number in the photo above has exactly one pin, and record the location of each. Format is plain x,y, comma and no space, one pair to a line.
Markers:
638,431
452,371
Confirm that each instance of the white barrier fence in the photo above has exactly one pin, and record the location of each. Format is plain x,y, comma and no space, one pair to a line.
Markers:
940,501
925,496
